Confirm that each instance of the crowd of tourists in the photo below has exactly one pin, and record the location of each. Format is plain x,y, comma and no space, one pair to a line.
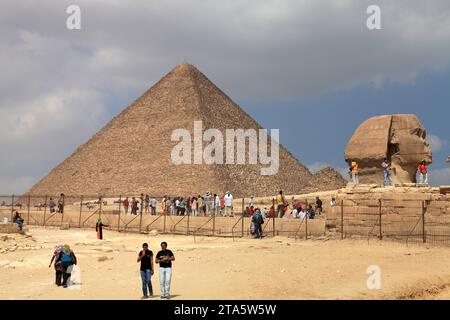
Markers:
197,205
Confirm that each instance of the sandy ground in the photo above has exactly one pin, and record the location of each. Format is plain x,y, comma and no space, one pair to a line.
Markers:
220,268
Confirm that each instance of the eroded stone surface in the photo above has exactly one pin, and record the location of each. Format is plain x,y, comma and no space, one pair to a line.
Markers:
400,138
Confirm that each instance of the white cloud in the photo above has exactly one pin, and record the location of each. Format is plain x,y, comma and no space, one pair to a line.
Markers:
54,82
436,143
440,177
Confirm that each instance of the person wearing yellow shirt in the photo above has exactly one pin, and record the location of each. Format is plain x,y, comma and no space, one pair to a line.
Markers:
280,204
355,173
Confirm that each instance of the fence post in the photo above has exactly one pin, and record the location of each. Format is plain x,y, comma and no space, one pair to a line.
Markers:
12,208
214,222
187,229
140,221
380,212
164,227
306,219
62,216
424,237
118,219
81,208
273,218
29,204
342,219
45,209
242,223
306,226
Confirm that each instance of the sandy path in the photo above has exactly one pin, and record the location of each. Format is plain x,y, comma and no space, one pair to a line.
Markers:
218,268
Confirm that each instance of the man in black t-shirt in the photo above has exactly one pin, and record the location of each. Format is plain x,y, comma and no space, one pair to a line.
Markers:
165,258
146,259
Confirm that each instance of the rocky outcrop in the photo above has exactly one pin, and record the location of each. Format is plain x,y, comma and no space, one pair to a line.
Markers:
324,180
400,138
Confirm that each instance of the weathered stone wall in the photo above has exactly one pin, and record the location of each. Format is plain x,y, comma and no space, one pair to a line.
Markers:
401,211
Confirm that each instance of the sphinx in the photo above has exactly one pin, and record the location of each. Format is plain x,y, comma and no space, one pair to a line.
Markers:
401,138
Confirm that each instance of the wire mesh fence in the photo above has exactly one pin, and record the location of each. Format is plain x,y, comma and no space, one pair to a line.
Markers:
409,221
413,221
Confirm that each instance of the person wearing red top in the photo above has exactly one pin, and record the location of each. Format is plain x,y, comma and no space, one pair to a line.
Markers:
126,203
251,211
423,172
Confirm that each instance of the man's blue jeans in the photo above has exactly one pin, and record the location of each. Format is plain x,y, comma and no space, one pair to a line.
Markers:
146,281
387,176
165,275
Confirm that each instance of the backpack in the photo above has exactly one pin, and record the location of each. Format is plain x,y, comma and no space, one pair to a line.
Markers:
66,257
257,218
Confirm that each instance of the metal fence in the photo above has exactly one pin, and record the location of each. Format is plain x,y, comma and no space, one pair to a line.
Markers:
412,221
409,221
83,212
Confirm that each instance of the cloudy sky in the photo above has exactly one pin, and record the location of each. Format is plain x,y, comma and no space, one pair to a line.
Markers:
308,67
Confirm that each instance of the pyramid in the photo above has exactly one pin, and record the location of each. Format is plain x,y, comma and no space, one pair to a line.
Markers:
326,179
132,153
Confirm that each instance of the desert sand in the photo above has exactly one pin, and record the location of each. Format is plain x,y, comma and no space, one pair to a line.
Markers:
277,268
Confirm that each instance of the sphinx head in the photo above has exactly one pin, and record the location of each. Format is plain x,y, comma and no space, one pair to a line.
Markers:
398,138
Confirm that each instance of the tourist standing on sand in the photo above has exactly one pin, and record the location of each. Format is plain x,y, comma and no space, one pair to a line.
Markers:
68,259
228,202
182,207
423,172
216,204
153,204
188,206
258,220
319,208
52,205
134,206
280,204
165,258
207,203
57,259
354,173
126,203
387,172
99,228
194,206
142,203
147,204
145,257
61,202
200,205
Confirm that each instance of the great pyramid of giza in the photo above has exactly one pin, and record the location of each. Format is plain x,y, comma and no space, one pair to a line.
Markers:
132,153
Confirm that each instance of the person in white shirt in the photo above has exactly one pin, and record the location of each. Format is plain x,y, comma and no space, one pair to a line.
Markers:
332,202
153,203
294,213
228,201
265,212
216,204
301,214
